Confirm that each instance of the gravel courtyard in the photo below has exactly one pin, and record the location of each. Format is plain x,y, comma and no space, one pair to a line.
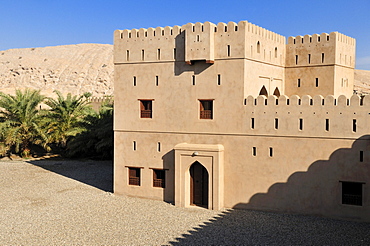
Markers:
61,202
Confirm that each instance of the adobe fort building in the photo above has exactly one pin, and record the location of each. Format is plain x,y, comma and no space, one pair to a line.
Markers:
233,116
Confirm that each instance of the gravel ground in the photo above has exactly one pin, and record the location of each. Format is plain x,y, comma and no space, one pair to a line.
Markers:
59,202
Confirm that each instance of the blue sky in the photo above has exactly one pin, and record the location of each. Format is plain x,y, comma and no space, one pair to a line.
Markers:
39,23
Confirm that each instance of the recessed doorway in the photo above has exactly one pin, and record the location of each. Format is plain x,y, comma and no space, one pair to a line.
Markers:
198,185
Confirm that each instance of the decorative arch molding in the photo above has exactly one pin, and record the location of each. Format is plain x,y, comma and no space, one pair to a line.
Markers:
276,92
211,157
263,91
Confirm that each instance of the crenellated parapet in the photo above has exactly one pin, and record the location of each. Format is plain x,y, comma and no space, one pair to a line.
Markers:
308,116
199,41
321,49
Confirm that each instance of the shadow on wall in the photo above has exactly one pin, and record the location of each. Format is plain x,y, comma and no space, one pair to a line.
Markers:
179,65
319,189
169,192
247,227
98,174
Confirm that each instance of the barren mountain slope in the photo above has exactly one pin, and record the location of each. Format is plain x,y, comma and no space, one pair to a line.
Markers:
362,81
77,68
69,68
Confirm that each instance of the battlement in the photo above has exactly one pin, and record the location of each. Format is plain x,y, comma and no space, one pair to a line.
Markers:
305,116
321,39
306,100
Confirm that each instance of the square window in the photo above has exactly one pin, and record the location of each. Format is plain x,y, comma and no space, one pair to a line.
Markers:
134,176
352,193
146,108
159,178
206,109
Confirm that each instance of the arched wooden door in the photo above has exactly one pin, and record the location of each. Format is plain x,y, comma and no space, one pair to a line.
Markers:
198,185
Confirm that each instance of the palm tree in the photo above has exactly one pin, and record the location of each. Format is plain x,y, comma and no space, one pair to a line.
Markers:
67,116
97,140
20,120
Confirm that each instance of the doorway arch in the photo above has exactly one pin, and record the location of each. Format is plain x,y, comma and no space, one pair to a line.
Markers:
199,185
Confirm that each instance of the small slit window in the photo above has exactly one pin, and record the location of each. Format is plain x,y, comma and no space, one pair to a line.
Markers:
156,80
276,123
258,47
254,151
174,53
134,80
134,145
193,79
219,79
361,156
271,152
142,55
299,83
317,82
296,59
322,57
309,58
158,54
300,124
159,146
252,123
354,125
327,126
228,50
127,55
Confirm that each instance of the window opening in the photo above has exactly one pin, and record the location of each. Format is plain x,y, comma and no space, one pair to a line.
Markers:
252,123
193,77
198,38
318,39
146,108
322,57
299,83
134,80
162,32
127,55
254,151
228,50
225,28
302,40
134,176
159,178
296,59
258,47
206,109
174,53
276,52
134,145
236,28
142,55
156,80
317,82
158,54
327,125
159,146
271,152
263,91
276,123
352,193
309,58
354,125
361,156
327,38
300,124
219,79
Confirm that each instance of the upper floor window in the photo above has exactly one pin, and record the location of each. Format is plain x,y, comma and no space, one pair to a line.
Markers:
146,108
134,176
159,178
206,109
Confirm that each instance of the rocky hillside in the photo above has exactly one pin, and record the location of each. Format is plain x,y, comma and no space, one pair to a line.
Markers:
77,69
69,68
